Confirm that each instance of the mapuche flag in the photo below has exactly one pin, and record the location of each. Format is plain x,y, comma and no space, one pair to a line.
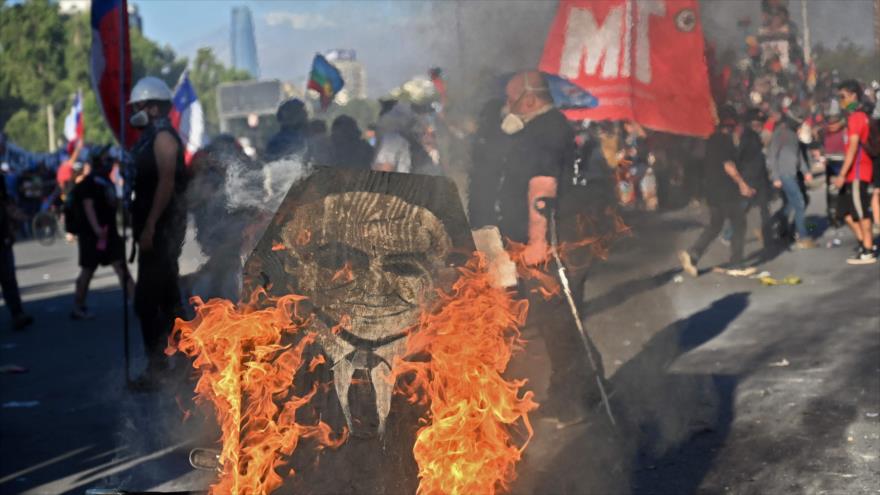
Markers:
643,60
325,79
111,65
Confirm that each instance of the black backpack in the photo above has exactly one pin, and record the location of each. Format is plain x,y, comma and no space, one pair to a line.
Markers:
872,145
74,216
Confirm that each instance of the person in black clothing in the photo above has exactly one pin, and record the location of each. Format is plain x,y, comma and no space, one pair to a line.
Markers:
291,141
347,147
753,166
515,170
158,219
725,190
8,280
98,238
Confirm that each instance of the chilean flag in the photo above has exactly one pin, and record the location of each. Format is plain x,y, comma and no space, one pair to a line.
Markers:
187,116
111,65
73,123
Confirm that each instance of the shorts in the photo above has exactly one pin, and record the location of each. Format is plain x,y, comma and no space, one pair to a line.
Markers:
855,201
91,258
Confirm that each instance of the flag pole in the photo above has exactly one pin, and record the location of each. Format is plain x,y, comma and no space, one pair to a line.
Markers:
123,11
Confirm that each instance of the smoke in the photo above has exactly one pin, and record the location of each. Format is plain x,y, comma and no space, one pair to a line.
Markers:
261,188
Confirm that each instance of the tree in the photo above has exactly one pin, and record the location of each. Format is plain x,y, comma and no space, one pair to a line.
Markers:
850,60
44,60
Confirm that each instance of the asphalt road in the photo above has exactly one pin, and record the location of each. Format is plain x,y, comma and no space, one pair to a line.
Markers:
722,385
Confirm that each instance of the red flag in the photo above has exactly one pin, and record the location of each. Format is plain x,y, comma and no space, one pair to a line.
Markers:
111,64
642,59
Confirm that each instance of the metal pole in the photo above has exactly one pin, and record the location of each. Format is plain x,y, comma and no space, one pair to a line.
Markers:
808,51
50,122
123,11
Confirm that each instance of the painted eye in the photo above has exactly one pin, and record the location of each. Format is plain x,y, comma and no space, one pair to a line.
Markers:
334,256
686,20
403,269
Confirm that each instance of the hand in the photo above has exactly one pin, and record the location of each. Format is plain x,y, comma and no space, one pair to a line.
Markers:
839,181
808,178
535,253
777,184
746,191
146,240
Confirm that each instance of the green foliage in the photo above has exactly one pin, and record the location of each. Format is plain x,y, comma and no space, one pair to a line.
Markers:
850,60
44,60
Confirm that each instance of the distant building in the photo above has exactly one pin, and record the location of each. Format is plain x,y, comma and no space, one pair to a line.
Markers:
243,47
353,73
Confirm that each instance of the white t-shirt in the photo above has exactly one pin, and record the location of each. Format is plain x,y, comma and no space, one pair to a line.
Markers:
394,149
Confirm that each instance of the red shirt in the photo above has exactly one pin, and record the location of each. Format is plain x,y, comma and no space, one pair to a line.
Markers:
64,174
857,125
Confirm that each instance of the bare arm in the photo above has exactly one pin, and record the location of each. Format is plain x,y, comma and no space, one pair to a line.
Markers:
731,170
92,217
165,149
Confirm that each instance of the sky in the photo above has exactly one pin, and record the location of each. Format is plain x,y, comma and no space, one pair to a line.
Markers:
398,39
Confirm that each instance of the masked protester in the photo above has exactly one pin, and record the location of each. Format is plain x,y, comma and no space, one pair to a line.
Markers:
98,238
347,147
158,219
752,163
526,162
726,193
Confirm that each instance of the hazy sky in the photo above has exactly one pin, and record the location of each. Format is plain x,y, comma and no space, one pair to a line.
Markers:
398,39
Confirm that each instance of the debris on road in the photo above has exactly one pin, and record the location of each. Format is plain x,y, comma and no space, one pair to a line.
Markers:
789,280
779,364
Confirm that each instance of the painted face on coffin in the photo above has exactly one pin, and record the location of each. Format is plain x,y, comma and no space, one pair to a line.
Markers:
367,261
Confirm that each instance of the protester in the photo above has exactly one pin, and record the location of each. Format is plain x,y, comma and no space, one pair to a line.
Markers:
347,147
158,219
725,191
784,162
8,281
393,148
834,152
752,164
98,238
856,174
538,148
291,142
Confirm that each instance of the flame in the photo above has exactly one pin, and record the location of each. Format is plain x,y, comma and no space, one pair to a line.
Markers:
344,274
243,369
278,247
467,445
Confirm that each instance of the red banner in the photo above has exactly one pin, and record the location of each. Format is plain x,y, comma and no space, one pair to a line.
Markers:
643,60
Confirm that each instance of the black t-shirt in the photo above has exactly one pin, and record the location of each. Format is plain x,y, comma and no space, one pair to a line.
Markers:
720,187
173,218
751,162
543,148
103,195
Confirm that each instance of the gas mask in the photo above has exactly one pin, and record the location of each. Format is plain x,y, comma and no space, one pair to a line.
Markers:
139,119
512,123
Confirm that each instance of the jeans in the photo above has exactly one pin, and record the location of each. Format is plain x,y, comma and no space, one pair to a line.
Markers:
733,212
8,281
794,200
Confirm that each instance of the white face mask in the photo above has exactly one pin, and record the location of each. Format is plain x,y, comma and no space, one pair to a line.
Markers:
512,123
139,119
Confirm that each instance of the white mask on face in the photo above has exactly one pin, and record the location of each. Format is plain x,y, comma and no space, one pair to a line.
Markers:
139,119
512,123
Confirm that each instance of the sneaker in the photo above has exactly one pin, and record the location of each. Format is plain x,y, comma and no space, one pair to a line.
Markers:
687,263
805,244
865,257
22,321
81,313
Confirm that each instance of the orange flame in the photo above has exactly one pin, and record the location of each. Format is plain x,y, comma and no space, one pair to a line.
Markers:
344,274
278,247
243,368
466,446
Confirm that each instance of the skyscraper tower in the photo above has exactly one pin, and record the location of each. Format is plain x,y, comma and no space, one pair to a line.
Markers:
244,48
